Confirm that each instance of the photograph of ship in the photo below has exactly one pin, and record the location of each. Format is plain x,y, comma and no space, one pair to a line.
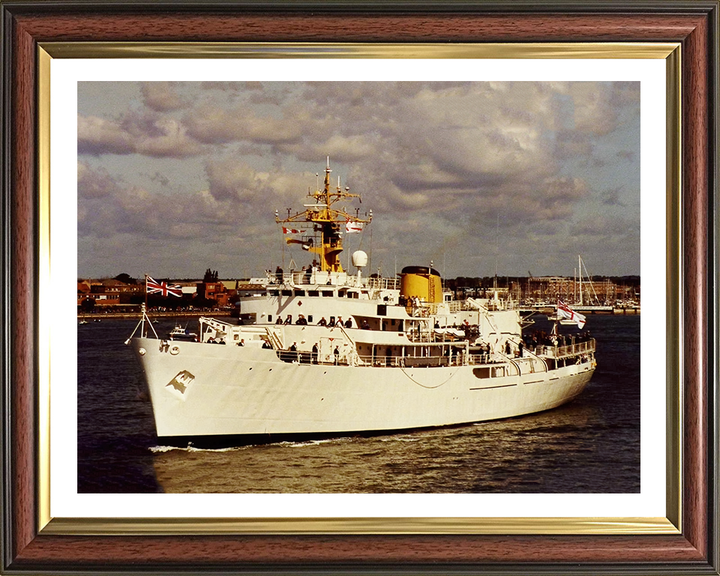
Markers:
396,296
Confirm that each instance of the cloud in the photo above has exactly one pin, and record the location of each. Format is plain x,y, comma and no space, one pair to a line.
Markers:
162,96
572,144
233,180
149,134
452,158
100,136
596,106
612,198
627,155
603,225
161,178
340,147
95,184
110,206
258,193
212,125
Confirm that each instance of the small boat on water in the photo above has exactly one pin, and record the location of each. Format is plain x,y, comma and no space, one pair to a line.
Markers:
182,333
326,352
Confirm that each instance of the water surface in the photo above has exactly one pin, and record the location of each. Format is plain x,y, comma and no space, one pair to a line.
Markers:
591,445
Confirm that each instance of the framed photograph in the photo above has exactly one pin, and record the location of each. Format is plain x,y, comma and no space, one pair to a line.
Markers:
141,128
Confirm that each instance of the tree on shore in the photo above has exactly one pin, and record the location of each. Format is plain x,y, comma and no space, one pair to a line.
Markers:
125,278
88,304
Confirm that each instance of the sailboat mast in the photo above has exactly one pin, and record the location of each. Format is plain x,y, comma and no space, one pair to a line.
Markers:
580,277
575,286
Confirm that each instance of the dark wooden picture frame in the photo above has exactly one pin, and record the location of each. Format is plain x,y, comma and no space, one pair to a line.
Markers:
693,549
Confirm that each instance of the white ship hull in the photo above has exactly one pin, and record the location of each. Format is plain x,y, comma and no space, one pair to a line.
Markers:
324,352
211,390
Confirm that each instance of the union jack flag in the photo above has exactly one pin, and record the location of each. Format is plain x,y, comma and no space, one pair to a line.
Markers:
155,287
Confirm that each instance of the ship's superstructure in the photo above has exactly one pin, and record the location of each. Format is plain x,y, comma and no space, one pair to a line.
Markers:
325,351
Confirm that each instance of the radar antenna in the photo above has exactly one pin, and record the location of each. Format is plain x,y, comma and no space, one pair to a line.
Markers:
321,219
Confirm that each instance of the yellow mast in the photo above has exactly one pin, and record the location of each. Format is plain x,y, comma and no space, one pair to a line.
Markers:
320,217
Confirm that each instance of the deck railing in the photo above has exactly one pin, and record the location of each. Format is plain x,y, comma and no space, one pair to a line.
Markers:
567,350
319,278
384,283
410,361
457,358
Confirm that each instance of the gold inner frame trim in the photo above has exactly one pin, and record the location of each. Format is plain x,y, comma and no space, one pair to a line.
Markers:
536,525
45,300
567,50
408,526
673,312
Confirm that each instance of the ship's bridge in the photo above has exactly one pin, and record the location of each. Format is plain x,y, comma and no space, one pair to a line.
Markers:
314,277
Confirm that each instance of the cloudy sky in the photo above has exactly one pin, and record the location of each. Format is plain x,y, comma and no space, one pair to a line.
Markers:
478,177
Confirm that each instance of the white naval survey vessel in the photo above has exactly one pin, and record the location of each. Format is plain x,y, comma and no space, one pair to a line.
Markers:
326,352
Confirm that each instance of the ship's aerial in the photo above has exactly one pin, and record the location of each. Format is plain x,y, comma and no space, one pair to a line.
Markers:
327,351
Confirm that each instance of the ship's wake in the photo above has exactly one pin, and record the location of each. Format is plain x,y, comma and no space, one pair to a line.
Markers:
280,444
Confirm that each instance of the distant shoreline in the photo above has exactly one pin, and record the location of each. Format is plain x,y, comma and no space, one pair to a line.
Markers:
224,313
136,315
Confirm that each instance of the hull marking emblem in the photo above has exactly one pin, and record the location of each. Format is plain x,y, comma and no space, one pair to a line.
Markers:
180,383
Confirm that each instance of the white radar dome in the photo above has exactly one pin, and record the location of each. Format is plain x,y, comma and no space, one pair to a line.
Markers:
359,259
